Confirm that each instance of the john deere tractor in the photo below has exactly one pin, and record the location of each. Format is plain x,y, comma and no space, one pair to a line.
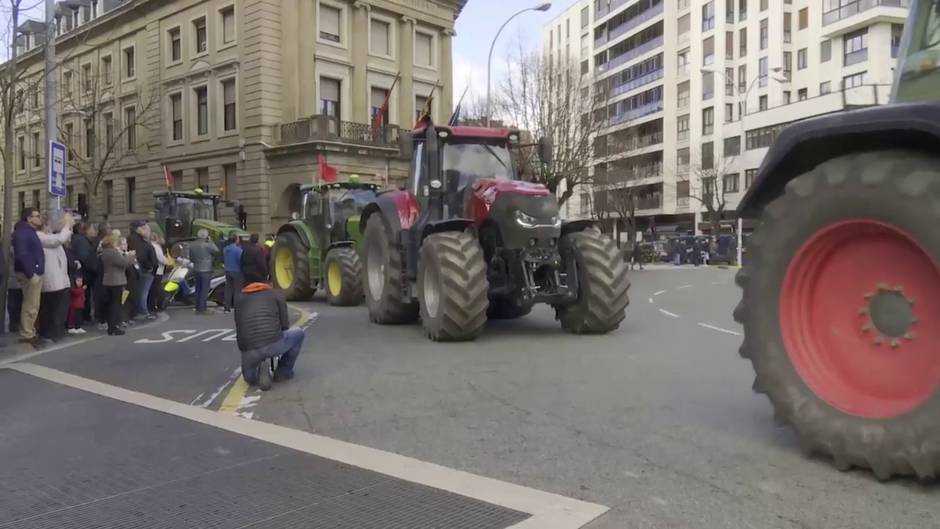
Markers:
841,291
321,247
468,240
181,214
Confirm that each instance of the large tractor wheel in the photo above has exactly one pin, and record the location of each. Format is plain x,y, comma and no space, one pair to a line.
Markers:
841,314
507,308
290,270
602,284
343,277
382,275
452,287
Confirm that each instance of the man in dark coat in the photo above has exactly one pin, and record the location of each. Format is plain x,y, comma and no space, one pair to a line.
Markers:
29,266
139,242
263,331
254,262
85,250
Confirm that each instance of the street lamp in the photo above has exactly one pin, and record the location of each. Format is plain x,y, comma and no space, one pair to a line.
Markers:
541,7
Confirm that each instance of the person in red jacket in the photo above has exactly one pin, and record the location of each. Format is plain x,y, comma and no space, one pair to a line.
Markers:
77,306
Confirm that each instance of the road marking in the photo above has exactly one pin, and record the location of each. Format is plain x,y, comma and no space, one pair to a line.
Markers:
651,300
216,333
548,510
234,397
659,293
719,329
667,313
683,287
208,402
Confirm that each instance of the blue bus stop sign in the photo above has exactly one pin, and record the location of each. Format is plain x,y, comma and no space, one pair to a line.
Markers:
57,176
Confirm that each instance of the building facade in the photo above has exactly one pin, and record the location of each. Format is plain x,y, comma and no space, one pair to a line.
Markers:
237,97
696,91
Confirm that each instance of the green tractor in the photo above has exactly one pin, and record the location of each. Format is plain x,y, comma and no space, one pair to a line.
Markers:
323,246
179,215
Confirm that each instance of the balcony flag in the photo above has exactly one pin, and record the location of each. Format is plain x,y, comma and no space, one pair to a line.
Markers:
168,176
326,172
378,120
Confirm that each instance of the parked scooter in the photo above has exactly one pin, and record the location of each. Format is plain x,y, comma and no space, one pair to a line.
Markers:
180,286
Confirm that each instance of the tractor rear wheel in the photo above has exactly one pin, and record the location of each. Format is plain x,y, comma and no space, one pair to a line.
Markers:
841,315
343,277
290,267
382,276
602,284
452,287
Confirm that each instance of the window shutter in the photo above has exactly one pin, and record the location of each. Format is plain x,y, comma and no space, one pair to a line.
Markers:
329,19
423,49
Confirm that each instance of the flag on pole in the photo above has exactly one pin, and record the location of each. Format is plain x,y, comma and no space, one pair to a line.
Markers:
327,172
378,120
455,117
168,176
425,115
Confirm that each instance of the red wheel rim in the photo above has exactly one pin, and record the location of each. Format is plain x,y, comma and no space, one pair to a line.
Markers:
847,296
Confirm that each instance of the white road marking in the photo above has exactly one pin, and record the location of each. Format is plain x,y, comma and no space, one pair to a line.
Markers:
651,300
683,287
719,329
659,293
548,510
167,336
667,313
205,332
209,400
195,400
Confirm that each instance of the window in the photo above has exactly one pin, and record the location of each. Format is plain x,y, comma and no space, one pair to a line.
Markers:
729,112
202,178
329,23
21,151
749,177
201,94
787,27
855,46
708,156
685,24
420,103
67,83
682,98
708,121
763,5
742,9
86,78
69,193
423,43
825,51
853,81
34,98
742,76
227,16
763,34
176,116
378,97
825,88
763,137
804,18
708,16
106,76
228,182
585,18
708,51
69,138
729,11
176,45
89,138
787,64
682,125
200,36
742,42
731,182
787,98
729,81
37,155
802,94
762,71
22,200
585,67
897,31
568,28
708,85
801,59
729,45
130,192
762,103
733,146
379,33
682,191
109,197
36,203
108,121
130,66
130,121
683,61
329,97
229,106
683,160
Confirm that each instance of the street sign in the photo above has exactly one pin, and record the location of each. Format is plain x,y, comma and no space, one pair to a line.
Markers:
57,176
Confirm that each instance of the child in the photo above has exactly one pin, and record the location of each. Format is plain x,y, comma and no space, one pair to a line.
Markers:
77,306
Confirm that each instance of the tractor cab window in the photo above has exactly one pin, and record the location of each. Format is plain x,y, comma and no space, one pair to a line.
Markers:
190,209
464,163
312,206
920,73
345,203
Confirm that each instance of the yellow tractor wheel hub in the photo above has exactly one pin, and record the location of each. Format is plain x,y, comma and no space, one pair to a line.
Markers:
284,267
334,278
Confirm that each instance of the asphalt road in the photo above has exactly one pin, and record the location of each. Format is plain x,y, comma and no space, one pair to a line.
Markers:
657,420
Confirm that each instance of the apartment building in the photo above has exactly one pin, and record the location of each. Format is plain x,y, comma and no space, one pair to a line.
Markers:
696,92
237,97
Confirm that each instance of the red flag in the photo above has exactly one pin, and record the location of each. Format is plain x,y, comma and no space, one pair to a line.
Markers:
327,171
168,176
379,119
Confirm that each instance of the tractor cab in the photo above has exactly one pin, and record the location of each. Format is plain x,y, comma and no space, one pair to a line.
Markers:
919,72
178,212
329,208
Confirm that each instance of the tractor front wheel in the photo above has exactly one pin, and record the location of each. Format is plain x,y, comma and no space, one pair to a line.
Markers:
841,314
382,276
602,284
452,287
343,277
290,267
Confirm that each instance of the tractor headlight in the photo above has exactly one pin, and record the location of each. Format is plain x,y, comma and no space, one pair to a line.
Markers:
525,220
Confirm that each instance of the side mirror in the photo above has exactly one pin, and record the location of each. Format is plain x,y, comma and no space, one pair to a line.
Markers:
406,146
545,150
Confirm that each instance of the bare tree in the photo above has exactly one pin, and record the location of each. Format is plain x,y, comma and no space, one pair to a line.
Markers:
555,101
712,182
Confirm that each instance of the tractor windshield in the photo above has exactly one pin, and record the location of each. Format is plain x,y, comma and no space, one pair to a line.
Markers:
920,74
345,203
190,209
477,160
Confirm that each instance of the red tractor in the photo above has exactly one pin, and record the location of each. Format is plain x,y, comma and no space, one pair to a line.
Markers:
467,240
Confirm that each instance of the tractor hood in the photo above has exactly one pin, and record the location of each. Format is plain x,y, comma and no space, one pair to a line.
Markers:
533,199
218,230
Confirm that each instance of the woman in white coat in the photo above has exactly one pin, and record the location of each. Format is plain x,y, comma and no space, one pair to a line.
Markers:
54,303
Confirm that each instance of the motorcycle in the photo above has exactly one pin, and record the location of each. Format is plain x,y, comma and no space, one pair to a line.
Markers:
180,285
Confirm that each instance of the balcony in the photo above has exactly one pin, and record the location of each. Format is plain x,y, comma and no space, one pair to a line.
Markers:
856,57
638,112
645,16
328,128
862,13
649,202
635,143
630,55
636,83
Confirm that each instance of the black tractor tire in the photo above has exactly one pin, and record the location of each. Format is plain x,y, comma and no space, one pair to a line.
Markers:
895,187
507,308
452,287
350,285
384,293
603,284
296,285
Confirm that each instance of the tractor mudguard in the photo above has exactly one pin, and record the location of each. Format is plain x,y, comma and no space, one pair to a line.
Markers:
446,225
804,145
576,226
302,230
399,211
